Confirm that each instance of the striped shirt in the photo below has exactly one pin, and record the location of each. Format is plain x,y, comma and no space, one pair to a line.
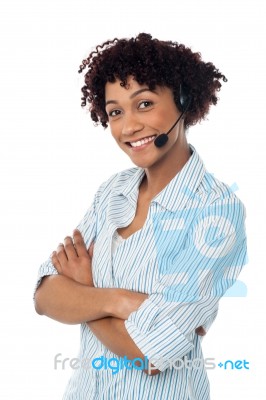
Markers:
188,253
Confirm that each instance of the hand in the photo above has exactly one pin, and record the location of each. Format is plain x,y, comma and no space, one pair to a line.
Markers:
72,259
200,331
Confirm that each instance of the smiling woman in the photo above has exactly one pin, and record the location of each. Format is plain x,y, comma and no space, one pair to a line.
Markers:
161,243
137,115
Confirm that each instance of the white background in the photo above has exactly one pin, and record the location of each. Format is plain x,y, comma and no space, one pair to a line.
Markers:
53,159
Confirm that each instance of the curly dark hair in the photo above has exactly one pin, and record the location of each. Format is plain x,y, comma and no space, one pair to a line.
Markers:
152,62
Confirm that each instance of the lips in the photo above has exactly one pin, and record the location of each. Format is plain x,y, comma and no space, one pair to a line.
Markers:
141,142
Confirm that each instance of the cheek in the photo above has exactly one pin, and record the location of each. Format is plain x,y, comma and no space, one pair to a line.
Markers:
159,123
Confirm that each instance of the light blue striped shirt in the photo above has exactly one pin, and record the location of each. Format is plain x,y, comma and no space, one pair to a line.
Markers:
188,253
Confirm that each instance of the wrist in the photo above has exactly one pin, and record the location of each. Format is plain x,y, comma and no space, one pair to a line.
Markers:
115,303
123,302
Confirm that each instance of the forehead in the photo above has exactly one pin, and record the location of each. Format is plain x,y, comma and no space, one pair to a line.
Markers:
116,91
118,86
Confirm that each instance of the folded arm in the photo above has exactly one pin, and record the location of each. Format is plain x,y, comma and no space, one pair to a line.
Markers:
71,298
61,298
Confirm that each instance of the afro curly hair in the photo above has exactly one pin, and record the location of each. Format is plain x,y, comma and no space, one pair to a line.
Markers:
155,63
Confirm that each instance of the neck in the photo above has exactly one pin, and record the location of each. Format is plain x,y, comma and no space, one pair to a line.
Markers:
160,174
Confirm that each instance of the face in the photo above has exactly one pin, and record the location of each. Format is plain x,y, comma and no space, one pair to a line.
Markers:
137,116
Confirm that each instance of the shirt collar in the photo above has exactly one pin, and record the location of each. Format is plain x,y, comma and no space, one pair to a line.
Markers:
178,191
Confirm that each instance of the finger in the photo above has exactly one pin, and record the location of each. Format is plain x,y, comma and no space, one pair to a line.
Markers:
61,254
70,248
79,243
56,262
200,331
203,332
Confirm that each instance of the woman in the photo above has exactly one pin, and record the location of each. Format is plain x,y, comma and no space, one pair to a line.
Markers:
166,239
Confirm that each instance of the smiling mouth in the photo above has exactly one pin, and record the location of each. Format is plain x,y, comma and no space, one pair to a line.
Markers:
141,142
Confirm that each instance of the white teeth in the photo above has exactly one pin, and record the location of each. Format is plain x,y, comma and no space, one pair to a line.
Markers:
142,141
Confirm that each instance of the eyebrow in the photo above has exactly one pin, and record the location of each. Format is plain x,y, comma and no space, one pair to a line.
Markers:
132,95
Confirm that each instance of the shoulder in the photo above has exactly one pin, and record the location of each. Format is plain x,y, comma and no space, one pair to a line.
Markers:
212,190
220,203
203,190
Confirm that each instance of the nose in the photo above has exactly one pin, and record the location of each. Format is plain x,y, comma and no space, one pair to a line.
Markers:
131,125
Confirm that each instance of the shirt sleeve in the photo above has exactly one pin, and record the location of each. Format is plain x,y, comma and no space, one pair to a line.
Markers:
87,227
187,293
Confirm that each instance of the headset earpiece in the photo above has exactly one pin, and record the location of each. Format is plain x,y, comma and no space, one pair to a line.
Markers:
184,98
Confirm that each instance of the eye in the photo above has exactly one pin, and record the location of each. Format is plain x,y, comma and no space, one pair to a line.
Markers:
145,104
114,113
